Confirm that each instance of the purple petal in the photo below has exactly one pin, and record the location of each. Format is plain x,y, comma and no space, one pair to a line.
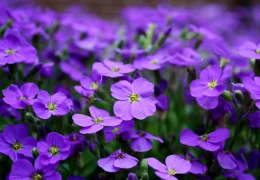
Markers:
86,82
126,163
141,144
41,111
15,133
122,109
252,87
30,90
108,164
144,108
181,166
208,146
43,147
61,109
143,87
219,135
91,129
226,160
212,73
111,121
213,92
197,168
27,145
197,87
243,176
82,120
12,91
121,90
96,113
165,176
127,68
101,68
207,102
189,138
4,146
44,96
150,136
58,98
22,170
55,176
156,165
96,77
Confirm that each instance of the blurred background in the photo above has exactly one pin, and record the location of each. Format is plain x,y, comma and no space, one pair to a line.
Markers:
111,8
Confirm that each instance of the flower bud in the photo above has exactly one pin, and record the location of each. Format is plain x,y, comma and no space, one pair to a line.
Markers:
227,95
131,176
35,153
29,118
239,96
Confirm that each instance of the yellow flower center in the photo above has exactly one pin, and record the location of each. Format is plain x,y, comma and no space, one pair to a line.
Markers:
98,120
172,172
115,130
17,146
114,69
54,150
120,155
257,51
141,134
212,84
204,137
37,177
51,106
74,138
94,85
154,61
134,97
10,51
22,98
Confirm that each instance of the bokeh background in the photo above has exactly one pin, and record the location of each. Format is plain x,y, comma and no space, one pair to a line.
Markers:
111,8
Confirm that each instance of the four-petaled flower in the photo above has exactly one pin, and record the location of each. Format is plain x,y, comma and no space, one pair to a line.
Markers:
249,50
93,83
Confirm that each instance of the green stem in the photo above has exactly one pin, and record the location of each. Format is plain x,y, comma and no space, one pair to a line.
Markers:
257,67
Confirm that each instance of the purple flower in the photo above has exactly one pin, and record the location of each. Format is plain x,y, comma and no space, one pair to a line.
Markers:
54,149
113,69
186,57
152,62
254,119
249,50
93,83
196,167
47,105
73,68
131,176
135,100
15,142
226,160
23,169
116,161
162,103
111,132
209,142
8,111
99,118
13,50
141,141
253,87
174,165
209,86
77,142
20,98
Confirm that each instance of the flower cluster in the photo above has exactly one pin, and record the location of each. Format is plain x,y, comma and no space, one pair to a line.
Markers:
88,98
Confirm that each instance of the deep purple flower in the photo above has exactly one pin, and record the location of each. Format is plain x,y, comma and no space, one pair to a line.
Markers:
77,142
209,142
116,161
83,92
47,105
131,176
196,167
141,141
15,142
254,119
8,111
162,103
93,83
135,100
209,86
23,169
249,50
13,50
112,69
174,165
47,69
253,87
20,98
54,149
73,68
99,118
112,132
226,160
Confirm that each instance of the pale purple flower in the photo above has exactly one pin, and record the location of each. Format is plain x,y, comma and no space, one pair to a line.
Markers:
91,83
47,105
152,62
174,165
113,69
209,142
116,161
99,118
135,99
19,98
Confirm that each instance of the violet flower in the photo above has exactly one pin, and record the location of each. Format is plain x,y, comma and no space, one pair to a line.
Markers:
112,132
135,100
116,161
141,141
174,165
249,50
77,142
152,62
23,169
73,68
54,149
209,87
226,160
47,105
196,167
93,83
113,69
254,119
15,142
209,142
99,118
253,87
19,98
